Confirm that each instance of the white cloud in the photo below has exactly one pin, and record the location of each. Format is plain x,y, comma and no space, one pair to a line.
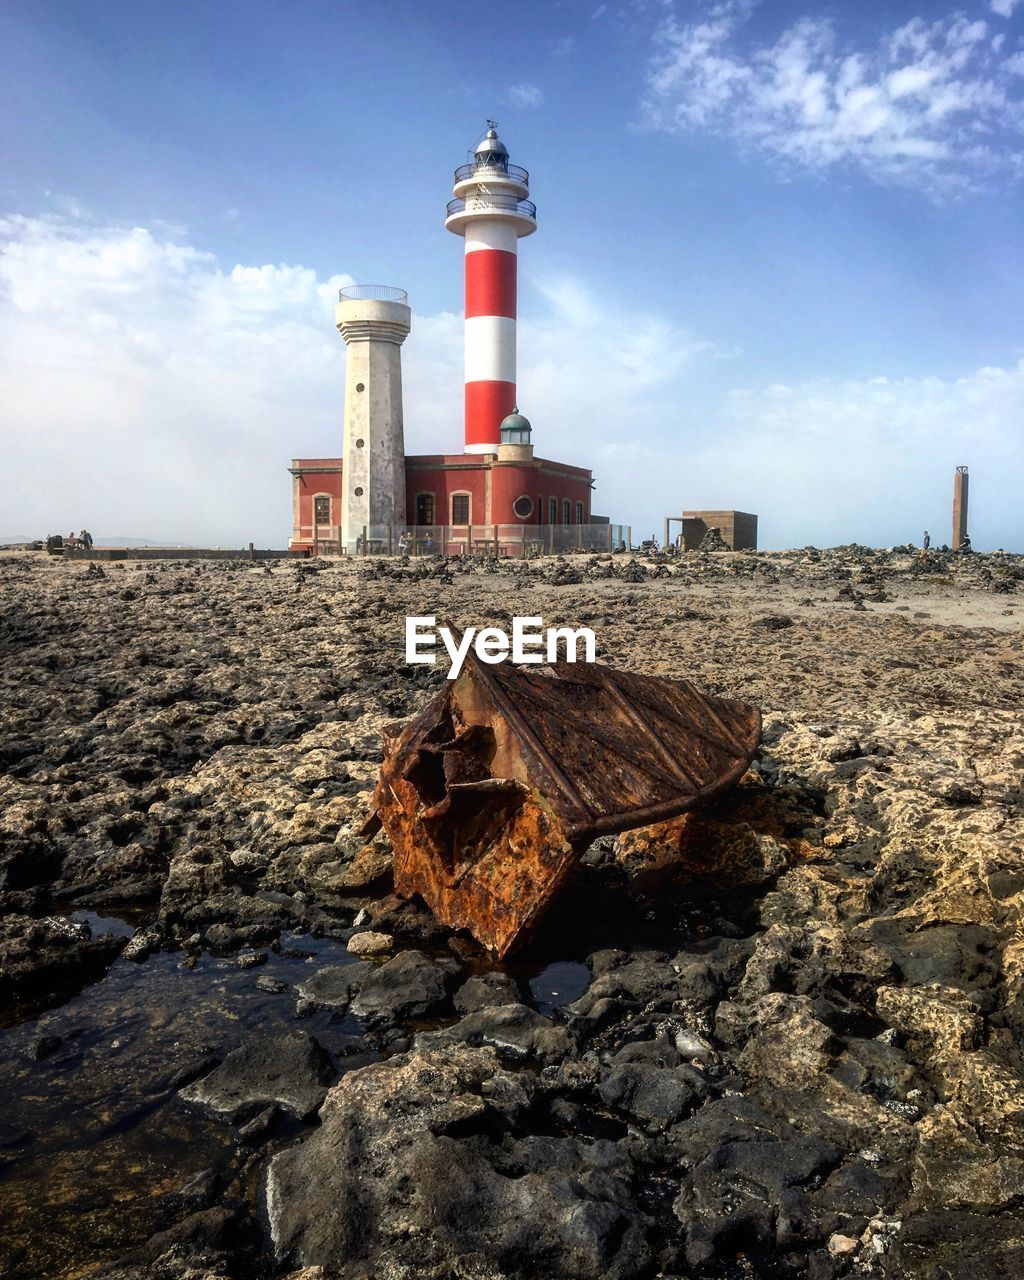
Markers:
159,394
870,460
593,359
930,104
1004,8
525,95
146,390
826,461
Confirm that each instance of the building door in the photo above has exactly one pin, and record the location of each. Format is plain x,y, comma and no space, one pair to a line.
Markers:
424,508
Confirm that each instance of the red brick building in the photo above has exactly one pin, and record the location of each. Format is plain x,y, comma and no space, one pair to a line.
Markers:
510,488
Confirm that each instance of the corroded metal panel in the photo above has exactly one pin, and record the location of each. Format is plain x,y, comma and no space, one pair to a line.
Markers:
492,793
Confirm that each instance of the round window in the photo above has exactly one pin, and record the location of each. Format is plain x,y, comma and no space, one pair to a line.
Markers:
360,442
359,490
523,506
360,386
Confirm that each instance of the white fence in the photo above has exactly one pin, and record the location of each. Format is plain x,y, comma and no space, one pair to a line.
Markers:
524,540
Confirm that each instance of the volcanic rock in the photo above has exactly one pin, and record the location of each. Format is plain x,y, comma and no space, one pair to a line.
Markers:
515,1031
38,957
334,986
411,985
291,1070
841,956
413,1174
484,990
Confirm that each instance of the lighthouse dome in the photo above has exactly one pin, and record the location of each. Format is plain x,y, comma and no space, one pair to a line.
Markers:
490,150
515,429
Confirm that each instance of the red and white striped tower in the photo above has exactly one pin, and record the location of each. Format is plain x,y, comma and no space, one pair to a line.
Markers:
491,212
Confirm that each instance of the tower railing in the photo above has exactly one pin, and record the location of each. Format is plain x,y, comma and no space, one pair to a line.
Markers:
491,204
372,293
477,169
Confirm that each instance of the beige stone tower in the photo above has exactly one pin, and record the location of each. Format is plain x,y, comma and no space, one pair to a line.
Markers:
960,483
374,320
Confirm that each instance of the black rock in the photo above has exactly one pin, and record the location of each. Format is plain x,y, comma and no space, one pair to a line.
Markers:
213,1241
485,990
655,1096
410,985
854,1193
406,1176
272,986
409,921
750,1192
43,1046
260,1126
642,979
334,986
41,957
516,1031
290,1069
193,1070
962,955
953,1245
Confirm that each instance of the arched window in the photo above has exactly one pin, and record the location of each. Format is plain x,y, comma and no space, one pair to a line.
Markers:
321,509
460,508
566,511
552,511
579,512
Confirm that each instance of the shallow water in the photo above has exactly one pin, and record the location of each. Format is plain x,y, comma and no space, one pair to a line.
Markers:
94,1141
119,926
558,984
93,1137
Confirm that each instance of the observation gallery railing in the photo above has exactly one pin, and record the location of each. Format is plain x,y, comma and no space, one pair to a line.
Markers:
372,293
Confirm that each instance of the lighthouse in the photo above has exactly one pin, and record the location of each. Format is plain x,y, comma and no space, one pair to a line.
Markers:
491,212
496,496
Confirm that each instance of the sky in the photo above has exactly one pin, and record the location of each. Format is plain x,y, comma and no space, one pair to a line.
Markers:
777,267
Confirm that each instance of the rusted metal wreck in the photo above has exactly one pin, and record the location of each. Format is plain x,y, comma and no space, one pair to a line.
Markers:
492,794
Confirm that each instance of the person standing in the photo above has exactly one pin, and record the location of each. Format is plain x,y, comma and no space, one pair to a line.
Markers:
926,541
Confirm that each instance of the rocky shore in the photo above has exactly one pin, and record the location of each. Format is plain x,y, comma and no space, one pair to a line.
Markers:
779,1038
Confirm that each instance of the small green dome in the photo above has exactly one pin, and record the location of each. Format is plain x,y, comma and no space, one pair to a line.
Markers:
516,422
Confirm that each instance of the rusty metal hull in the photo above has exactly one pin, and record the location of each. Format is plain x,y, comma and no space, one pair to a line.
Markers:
492,794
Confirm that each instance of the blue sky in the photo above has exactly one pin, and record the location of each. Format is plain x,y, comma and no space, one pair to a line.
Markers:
778,264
